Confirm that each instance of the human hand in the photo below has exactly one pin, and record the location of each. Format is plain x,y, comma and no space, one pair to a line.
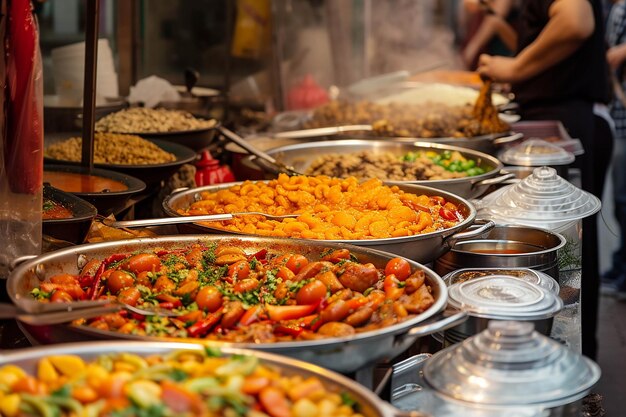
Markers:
616,55
498,68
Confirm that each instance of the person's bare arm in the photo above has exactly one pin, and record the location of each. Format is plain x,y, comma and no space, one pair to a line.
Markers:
491,25
616,55
571,23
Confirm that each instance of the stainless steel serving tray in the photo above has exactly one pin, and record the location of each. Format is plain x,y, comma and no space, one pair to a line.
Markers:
301,156
345,354
369,404
422,248
291,121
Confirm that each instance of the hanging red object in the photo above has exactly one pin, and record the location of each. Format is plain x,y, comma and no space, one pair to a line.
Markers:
23,152
307,94
209,171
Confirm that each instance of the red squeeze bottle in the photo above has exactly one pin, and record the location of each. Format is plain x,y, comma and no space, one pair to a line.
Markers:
209,171
24,141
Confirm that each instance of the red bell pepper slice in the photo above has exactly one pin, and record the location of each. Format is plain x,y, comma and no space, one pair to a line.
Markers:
392,287
251,315
278,313
204,326
288,329
95,290
169,301
260,256
448,214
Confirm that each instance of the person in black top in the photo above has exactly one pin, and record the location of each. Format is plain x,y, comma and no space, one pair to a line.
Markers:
559,72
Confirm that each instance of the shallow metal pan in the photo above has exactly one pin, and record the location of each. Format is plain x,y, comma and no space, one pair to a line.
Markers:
289,122
345,354
369,404
301,156
422,248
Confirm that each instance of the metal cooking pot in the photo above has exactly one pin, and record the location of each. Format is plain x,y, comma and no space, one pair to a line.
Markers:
301,156
345,354
422,248
506,247
369,404
506,370
500,297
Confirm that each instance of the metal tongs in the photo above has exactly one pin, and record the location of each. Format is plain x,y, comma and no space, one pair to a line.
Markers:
233,137
192,219
57,313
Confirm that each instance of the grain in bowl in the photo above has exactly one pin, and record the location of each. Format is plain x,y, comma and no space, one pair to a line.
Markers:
112,148
328,208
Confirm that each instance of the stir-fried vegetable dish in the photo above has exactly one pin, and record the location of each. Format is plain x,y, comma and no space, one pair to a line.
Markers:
199,383
222,292
420,165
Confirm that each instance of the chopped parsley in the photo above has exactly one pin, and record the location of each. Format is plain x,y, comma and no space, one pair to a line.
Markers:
178,276
253,263
187,299
326,252
353,258
295,286
146,294
173,260
208,257
48,205
212,274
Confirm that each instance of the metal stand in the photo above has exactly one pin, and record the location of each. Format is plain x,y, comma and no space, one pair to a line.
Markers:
89,89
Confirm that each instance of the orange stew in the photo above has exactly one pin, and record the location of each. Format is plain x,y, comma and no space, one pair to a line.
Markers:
81,183
53,210
328,208
222,292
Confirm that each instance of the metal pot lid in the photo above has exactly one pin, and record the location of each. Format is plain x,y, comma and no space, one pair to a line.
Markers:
511,364
540,198
537,152
505,298
525,274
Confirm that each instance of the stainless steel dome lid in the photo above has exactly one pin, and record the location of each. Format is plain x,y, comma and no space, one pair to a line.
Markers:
510,364
543,197
525,274
536,152
503,297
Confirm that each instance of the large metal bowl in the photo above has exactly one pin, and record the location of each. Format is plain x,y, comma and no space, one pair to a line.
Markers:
369,404
344,354
301,156
422,248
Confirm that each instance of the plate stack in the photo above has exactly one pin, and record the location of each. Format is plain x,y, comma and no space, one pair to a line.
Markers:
68,63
